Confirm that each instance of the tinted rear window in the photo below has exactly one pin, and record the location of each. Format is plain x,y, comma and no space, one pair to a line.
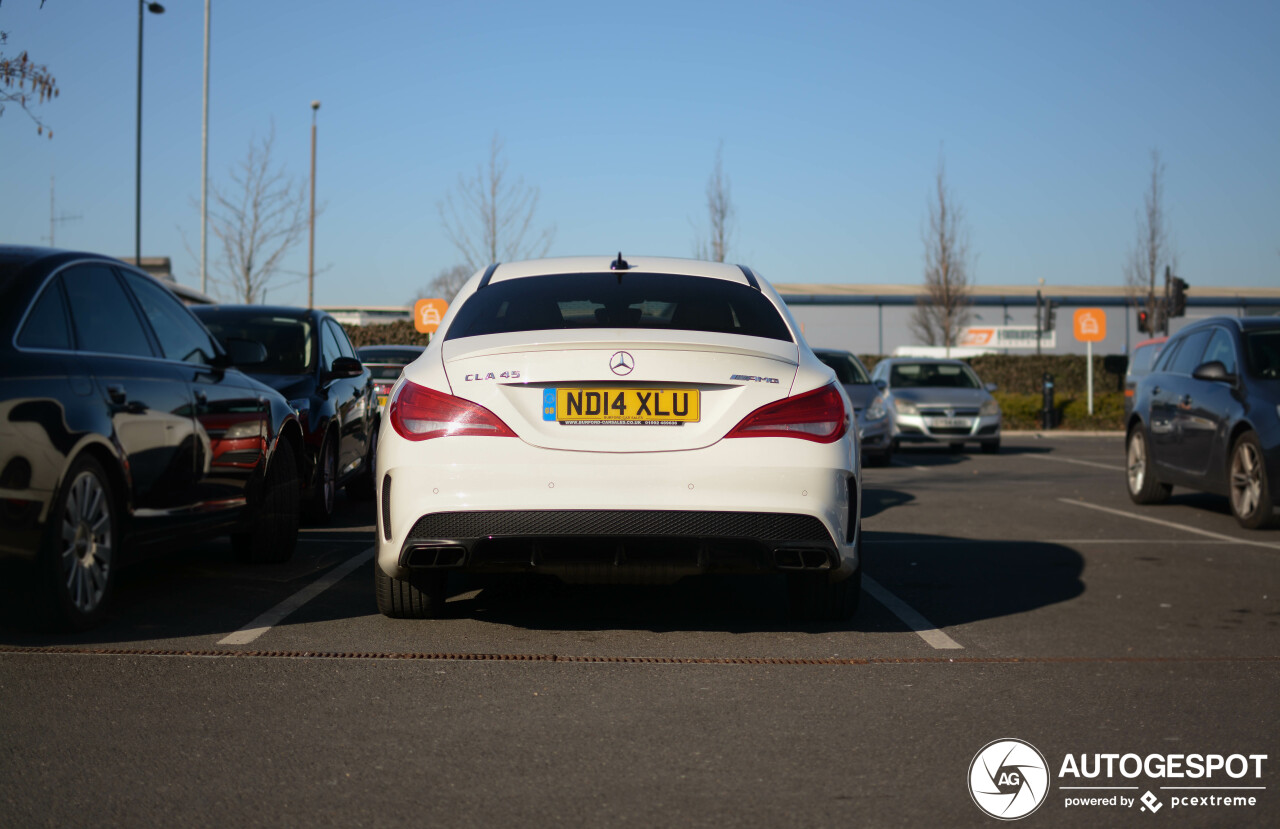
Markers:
657,302
289,342
932,376
402,356
848,371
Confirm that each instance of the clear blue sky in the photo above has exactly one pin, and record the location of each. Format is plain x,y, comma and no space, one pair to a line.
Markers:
832,118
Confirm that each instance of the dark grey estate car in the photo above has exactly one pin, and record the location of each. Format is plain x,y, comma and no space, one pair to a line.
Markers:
1208,417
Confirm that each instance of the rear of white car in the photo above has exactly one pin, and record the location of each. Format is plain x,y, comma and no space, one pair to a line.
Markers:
613,421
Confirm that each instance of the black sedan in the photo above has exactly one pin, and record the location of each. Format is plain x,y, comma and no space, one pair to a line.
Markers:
1207,417
123,427
311,362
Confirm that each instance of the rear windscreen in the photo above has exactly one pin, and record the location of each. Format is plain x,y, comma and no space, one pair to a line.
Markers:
658,302
290,345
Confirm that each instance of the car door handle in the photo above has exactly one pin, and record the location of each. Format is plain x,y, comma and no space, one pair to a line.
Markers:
201,398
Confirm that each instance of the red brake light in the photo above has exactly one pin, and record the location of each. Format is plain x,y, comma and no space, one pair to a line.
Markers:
419,413
819,416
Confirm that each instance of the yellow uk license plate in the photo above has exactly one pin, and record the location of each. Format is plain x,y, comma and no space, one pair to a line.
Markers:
382,400
621,407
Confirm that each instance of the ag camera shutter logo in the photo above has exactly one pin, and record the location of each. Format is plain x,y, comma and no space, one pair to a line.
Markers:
1008,779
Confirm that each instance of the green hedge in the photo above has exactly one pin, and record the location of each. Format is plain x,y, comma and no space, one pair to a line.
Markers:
1022,411
400,332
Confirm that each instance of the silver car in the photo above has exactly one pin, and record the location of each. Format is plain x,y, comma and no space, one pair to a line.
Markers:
938,401
869,410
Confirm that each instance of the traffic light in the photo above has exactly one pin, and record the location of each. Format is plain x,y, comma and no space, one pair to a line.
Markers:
1050,312
1178,302
1144,322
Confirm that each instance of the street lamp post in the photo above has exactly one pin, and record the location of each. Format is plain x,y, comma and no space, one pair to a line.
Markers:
311,257
204,161
154,8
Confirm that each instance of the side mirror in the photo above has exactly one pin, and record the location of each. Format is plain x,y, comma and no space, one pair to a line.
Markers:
345,367
244,352
881,385
990,387
1214,371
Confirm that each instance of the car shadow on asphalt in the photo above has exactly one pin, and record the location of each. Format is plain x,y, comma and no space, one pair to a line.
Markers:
950,581
876,500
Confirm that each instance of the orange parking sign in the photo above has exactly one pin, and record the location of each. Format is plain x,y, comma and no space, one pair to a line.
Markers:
427,314
1090,325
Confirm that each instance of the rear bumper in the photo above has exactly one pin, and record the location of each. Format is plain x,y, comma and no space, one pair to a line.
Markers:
498,504
915,429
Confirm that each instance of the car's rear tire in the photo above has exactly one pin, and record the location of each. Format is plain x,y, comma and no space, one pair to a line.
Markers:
319,507
1250,495
77,563
421,596
1140,471
272,530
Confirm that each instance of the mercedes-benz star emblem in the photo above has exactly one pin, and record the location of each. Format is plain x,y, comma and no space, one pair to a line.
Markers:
622,363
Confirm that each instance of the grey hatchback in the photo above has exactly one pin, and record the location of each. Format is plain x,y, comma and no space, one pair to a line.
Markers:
939,401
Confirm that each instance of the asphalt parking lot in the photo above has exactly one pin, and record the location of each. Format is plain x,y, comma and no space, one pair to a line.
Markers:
1020,595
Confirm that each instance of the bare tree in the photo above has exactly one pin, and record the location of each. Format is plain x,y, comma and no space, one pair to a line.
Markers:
942,311
446,283
715,247
1152,251
488,216
257,218
25,83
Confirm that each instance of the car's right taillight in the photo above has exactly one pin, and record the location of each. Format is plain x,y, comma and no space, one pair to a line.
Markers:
420,413
819,416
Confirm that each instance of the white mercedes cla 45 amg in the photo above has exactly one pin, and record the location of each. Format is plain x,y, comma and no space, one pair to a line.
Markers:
606,421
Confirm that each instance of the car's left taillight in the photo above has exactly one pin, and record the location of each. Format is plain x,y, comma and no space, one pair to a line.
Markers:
819,416
420,413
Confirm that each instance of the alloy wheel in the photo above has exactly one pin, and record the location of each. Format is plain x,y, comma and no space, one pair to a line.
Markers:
1137,466
85,559
1246,479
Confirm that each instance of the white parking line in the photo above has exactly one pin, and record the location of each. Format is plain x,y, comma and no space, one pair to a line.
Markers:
1066,542
1080,462
1183,527
927,630
276,615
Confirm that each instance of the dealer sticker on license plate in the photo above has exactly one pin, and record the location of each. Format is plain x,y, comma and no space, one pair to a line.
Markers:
948,422
621,407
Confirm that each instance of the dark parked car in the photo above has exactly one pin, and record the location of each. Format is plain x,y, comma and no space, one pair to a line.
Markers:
869,409
311,362
1208,417
1144,357
386,362
123,427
